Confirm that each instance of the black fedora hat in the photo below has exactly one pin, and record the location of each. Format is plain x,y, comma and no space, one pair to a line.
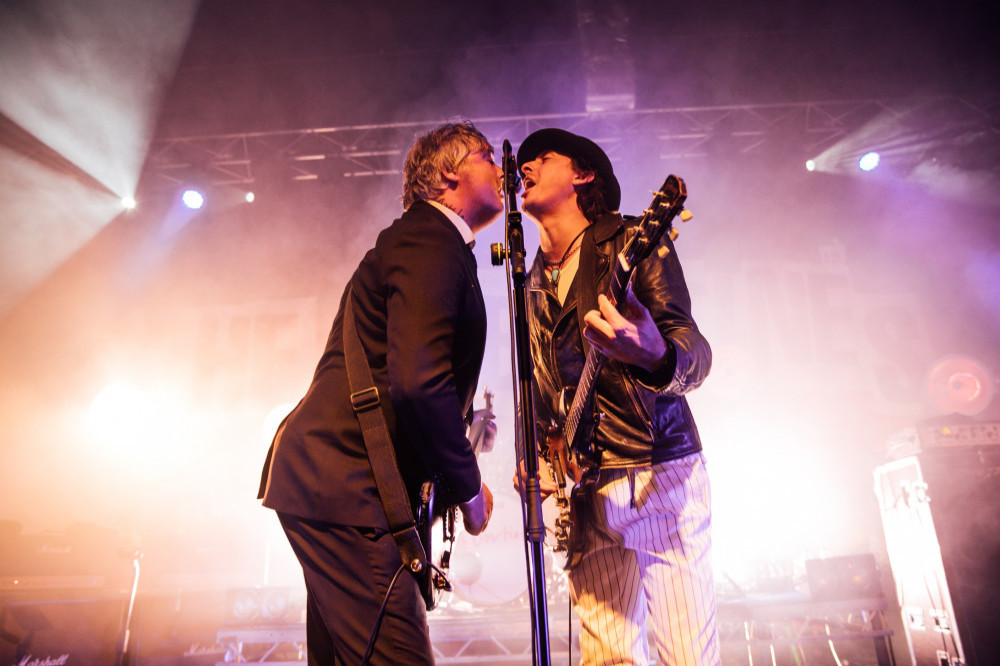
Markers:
577,147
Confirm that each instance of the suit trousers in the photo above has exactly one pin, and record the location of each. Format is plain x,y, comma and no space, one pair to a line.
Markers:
648,557
347,572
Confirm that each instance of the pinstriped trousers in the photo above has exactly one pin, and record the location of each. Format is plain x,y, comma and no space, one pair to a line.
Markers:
648,557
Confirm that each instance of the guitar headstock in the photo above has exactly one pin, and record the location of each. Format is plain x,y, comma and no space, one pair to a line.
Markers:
657,220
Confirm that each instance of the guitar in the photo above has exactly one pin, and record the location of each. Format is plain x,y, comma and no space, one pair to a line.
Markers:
433,580
570,451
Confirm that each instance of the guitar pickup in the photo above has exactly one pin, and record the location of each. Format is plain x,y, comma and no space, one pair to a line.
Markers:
566,401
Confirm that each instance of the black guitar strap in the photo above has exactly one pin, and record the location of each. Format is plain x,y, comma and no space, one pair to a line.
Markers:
586,289
586,282
367,404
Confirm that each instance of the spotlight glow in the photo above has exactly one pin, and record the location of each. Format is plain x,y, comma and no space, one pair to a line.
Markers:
193,199
250,197
119,414
810,165
868,161
128,203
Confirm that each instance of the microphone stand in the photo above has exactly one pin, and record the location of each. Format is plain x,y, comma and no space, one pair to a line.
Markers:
525,444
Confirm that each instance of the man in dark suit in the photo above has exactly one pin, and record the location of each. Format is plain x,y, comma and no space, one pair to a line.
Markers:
421,320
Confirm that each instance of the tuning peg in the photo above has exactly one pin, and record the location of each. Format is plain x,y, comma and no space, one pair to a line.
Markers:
674,234
686,215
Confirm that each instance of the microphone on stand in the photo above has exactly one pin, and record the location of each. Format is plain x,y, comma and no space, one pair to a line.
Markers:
511,174
525,446
514,250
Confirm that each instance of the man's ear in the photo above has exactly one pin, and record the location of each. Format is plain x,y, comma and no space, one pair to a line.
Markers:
582,177
450,178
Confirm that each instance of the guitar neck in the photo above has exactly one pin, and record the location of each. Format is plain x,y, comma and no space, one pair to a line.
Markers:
595,360
656,220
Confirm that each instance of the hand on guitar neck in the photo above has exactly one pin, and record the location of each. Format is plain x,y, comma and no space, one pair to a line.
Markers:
555,467
546,484
629,336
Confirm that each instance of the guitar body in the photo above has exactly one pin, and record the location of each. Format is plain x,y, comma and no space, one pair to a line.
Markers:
576,539
566,534
432,580
577,404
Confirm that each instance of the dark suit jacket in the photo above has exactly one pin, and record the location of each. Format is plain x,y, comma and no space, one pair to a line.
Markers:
421,319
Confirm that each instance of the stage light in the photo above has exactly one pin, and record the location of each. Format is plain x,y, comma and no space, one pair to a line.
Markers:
868,161
960,385
128,203
264,606
250,197
810,165
193,199
244,606
275,606
119,413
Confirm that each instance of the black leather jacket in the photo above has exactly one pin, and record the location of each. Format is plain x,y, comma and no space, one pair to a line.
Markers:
646,418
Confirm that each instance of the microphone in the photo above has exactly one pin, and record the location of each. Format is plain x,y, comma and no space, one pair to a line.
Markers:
511,174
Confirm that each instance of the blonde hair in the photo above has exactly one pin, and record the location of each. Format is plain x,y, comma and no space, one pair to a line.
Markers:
441,149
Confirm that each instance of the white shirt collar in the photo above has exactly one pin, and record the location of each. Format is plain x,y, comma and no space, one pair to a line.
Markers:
456,219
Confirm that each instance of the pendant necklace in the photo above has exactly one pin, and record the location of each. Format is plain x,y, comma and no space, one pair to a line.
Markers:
556,267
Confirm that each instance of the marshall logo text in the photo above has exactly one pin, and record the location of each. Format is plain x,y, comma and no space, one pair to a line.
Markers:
30,660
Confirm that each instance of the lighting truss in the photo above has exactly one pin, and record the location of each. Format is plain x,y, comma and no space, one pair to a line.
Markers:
763,629
352,151
750,630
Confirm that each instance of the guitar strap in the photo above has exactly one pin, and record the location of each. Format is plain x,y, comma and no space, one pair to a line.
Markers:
586,282
367,404
586,276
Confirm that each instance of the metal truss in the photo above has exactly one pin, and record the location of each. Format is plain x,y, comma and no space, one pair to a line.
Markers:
498,637
277,645
469,641
352,151
807,629
752,631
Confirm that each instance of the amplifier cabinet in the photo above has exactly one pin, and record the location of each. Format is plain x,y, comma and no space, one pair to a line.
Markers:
59,629
941,518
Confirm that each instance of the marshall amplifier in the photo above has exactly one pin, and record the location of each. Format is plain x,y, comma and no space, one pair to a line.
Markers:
179,628
62,597
64,631
951,434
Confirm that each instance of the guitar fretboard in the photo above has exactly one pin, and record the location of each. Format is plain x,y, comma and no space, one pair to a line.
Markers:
595,359
656,220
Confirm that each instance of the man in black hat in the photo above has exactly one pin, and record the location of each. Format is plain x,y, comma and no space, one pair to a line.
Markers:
646,523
